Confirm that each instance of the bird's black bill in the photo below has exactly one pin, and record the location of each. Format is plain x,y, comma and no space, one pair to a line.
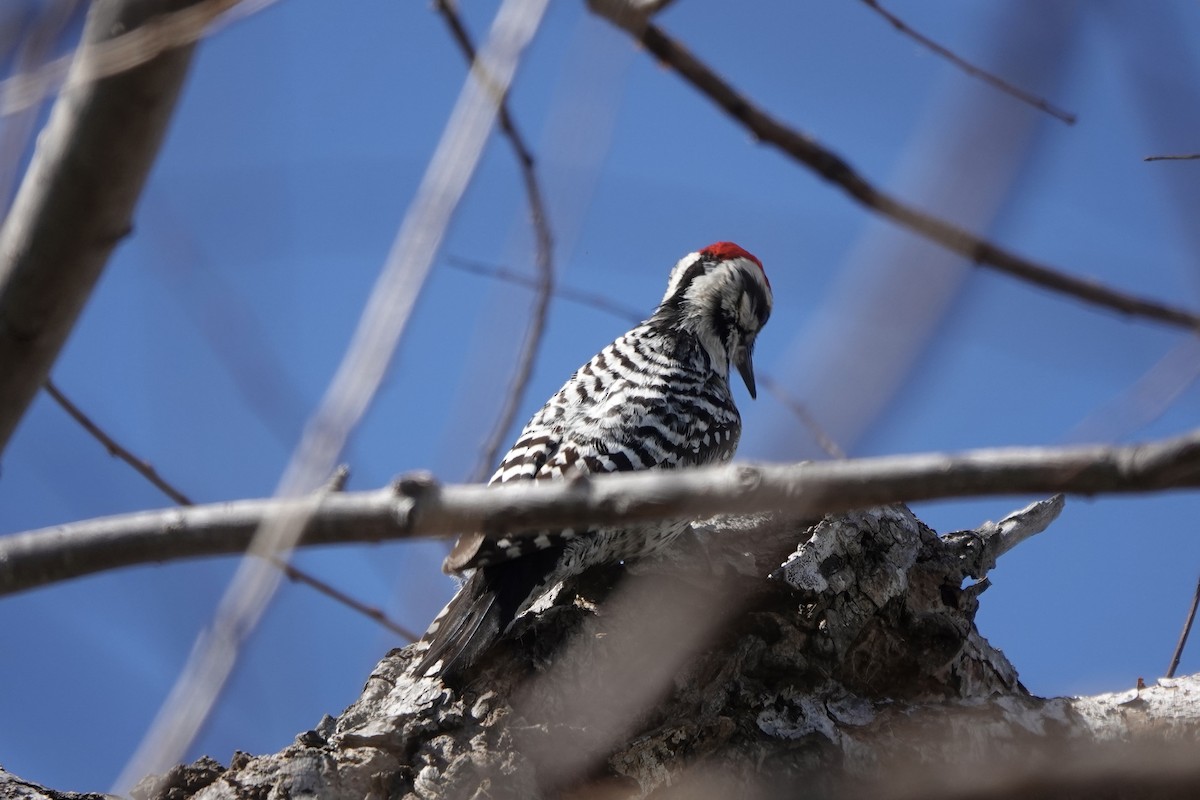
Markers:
745,367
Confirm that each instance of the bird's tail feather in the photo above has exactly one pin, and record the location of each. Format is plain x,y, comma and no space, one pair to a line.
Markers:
483,611
466,627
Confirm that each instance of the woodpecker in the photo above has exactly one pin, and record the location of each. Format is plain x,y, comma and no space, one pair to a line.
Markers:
656,398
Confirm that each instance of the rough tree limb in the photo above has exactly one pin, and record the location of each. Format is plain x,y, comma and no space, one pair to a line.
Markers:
856,670
418,507
77,199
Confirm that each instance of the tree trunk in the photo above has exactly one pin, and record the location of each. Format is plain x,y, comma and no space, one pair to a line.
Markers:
854,669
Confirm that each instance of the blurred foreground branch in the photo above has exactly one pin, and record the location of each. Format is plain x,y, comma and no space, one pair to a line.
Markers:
77,198
419,507
165,25
348,396
829,165
543,258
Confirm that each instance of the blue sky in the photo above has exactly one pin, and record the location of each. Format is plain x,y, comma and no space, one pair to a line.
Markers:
296,148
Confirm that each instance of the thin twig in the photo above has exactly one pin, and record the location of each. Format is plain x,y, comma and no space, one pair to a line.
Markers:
143,468
602,303
1034,100
592,299
819,434
1183,636
114,448
1184,157
419,507
348,397
543,258
833,168
372,612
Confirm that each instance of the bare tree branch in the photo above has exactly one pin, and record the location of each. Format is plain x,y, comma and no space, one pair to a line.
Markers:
801,412
1029,98
419,507
147,471
543,259
592,299
833,168
1183,636
1186,157
114,448
338,596
77,199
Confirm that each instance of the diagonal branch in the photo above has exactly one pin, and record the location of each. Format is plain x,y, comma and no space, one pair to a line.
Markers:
1029,98
115,449
801,412
543,260
1183,636
419,507
833,168
76,201
594,300
147,471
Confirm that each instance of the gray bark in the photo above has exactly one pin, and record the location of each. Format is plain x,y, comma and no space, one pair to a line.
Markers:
854,669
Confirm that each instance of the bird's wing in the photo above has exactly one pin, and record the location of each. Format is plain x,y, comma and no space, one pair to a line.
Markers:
615,414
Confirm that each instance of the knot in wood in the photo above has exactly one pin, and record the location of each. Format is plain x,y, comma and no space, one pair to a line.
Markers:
415,484
748,478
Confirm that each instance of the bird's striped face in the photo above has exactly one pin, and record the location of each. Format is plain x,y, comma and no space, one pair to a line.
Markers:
721,295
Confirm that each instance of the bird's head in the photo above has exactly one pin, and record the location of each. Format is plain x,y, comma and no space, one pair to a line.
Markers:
720,295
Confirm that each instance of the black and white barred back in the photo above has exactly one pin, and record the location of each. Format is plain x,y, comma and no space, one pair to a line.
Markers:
656,398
